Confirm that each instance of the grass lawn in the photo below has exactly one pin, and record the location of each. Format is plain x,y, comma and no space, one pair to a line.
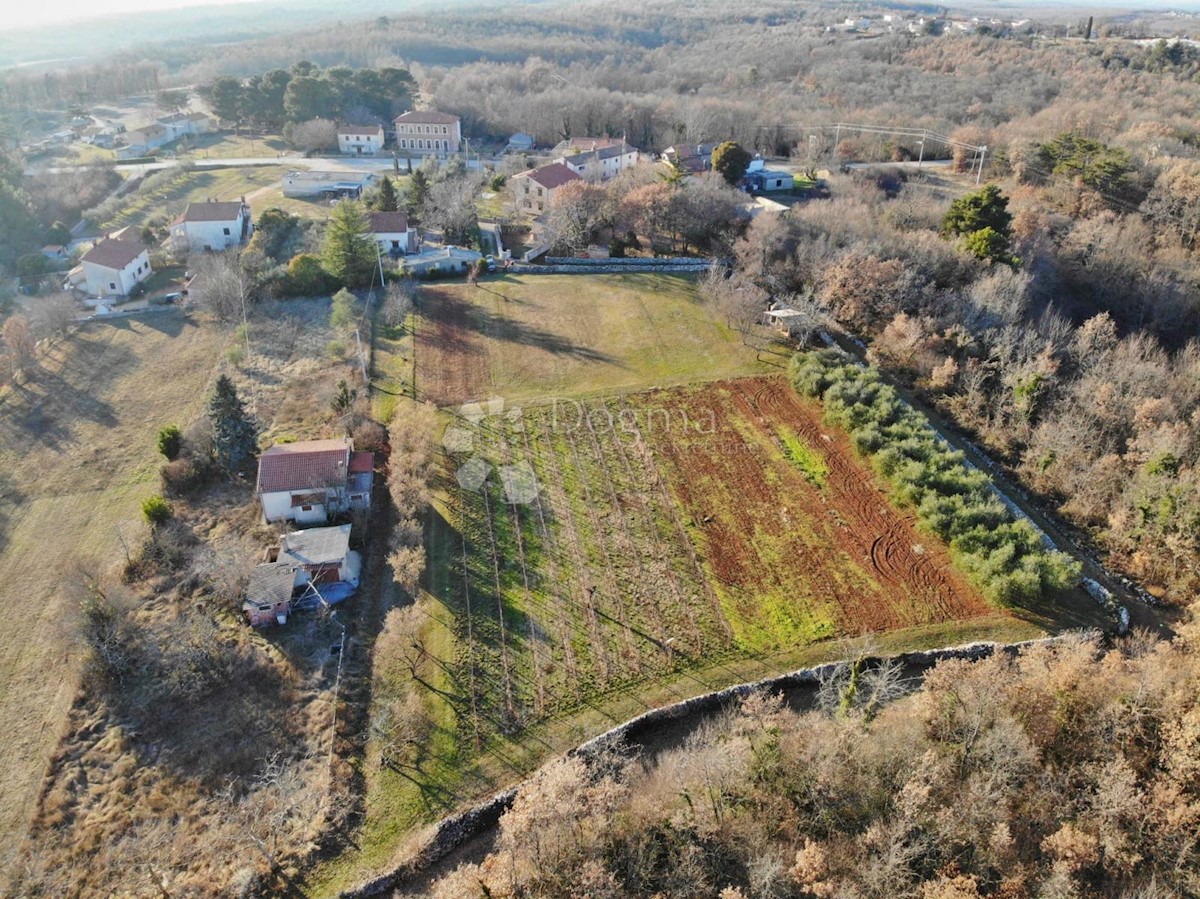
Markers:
221,145
170,199
77,455
532,338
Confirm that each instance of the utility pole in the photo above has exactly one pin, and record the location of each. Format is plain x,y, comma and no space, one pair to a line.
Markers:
982,154
921,155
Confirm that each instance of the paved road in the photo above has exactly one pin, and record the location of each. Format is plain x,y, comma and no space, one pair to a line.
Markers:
320,163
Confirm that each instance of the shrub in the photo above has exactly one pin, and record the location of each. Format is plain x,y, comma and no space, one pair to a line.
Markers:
170,441
156,510
183,476
1003,557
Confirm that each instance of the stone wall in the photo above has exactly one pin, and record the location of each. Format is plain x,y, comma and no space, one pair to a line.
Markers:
452,832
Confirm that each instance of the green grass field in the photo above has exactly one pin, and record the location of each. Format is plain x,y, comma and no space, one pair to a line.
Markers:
535,337
195,186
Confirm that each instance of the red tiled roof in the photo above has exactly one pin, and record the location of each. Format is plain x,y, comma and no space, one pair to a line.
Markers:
304,465
211,212
387,222
362,462
551,176
427,117
114,253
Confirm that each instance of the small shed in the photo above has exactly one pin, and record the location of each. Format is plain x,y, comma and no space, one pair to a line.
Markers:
787,321
269,595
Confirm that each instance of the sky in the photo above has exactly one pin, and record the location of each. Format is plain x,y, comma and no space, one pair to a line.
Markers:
26,14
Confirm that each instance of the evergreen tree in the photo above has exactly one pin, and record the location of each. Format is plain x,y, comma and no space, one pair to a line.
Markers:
417,194
386,199
234,437
341,317
985,208
731,160
348,253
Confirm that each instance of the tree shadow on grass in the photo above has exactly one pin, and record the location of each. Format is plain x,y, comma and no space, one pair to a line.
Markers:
455,320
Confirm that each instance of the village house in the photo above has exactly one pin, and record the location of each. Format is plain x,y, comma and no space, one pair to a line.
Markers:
450,260
585,145
428,133
692,158
761,179
533,191
212,226
185,124
114,266
148,137
327,184
392,233
360,140
520,143
307,569
311,481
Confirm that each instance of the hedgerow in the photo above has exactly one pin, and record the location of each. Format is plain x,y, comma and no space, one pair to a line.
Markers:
1004,557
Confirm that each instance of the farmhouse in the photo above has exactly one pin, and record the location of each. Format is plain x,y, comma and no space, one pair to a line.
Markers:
601,163
212,226
392,233
428,133
585,145
307,568
693,158
114,266
533,191
311,481
185,124
148,137
326,184
360,140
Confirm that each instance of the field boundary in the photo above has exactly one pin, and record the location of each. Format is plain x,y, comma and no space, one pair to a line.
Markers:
455,830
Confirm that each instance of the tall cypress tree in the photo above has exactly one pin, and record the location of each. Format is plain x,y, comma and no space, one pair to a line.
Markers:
234,435
386,200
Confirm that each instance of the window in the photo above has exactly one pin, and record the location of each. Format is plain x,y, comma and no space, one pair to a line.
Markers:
306,508
403,145
112,286
539,191
446,145
225,230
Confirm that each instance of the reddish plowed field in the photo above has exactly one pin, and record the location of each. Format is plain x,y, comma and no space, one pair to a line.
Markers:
780,546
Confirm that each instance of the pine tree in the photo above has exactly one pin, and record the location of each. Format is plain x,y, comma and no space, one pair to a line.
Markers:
386,199
348,253
234,437
418,192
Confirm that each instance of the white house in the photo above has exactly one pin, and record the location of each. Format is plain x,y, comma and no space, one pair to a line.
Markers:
326,184
392,233
428,133
601,163
114,266
443,259
313,480
360,140
212,226
183,124
148,137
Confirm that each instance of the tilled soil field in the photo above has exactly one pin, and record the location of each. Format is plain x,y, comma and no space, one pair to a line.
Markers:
622,540
791,558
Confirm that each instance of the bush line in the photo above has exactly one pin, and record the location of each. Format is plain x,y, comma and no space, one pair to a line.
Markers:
1005,558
